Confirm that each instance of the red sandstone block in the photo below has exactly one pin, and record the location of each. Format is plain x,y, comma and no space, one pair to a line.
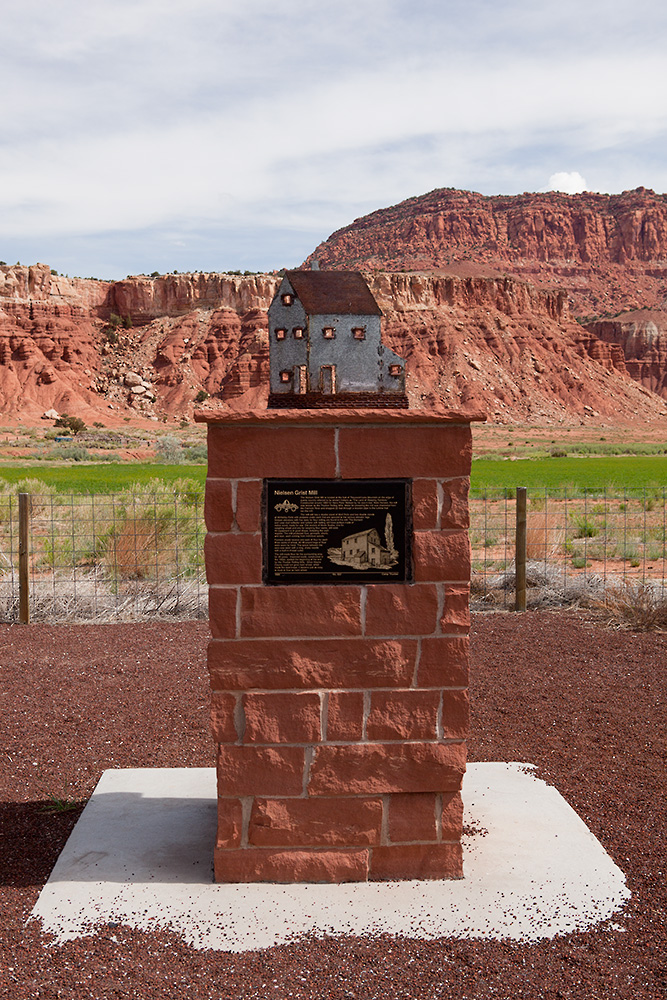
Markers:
402,609
248,504
223,707
416,861
455,511
250,770
403,715
456,612
222,612
412,817
218,505
419,451
306,611
455,715
278,664
282,718
230,823
443,662
233,558
381,768
424,504
441,555
452,816
263,451
271,865
315,822
345,716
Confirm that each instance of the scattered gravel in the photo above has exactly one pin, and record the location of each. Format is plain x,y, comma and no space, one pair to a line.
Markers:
584,703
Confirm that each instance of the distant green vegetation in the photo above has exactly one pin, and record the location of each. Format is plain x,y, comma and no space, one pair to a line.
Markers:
561,473
552,473
107,478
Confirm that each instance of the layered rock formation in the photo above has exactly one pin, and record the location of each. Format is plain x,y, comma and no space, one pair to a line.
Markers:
143,348
641,338
608,251
492,343
504,346
473,330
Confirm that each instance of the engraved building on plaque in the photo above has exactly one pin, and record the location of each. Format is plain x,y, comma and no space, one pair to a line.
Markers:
325,345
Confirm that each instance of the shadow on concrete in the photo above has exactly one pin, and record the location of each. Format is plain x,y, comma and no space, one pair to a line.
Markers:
133,837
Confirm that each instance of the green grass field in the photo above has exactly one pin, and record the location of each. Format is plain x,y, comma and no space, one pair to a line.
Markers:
552,473
565,473
107,478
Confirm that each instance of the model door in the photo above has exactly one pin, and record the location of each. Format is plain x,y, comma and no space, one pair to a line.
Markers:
328,379
300,372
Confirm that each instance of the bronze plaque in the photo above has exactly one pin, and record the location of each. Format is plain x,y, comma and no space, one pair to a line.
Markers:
337,531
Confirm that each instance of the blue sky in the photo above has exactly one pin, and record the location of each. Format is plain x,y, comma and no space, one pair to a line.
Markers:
141,135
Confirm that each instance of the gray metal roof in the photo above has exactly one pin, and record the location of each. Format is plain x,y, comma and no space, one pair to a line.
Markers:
342,292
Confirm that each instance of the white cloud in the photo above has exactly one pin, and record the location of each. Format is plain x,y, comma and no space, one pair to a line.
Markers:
138,115
569,183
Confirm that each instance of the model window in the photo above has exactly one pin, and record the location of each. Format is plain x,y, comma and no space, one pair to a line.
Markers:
287,299
395,369
286,375
328,333
281,334
358,332
298,332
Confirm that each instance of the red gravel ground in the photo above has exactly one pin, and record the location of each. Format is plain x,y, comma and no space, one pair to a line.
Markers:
583,702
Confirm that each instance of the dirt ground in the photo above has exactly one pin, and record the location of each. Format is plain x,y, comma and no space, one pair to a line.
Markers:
583,702
522,440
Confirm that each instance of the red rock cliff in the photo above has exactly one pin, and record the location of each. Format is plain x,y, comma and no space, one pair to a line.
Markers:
641,337
608,251
492,342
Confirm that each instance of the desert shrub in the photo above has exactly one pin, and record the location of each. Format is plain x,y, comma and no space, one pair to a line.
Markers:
111,329
640,606
201,396
154,532
543,537
149,532
74,454
41,493
584,528
169,450
196,453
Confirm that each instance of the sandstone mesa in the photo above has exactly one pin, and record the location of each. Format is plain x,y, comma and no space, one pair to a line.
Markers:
480,295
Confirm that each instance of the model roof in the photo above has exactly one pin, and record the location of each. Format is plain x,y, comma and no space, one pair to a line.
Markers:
341,292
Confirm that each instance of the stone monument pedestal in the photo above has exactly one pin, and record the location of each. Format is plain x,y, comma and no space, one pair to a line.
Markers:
339,696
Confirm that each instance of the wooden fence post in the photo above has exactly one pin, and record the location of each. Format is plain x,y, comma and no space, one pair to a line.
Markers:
24,574
520,550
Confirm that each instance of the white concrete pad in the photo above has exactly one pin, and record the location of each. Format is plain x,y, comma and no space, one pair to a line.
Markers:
141,855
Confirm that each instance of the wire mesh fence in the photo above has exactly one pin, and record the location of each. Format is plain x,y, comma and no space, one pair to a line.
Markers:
579,544
133,555
140,554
